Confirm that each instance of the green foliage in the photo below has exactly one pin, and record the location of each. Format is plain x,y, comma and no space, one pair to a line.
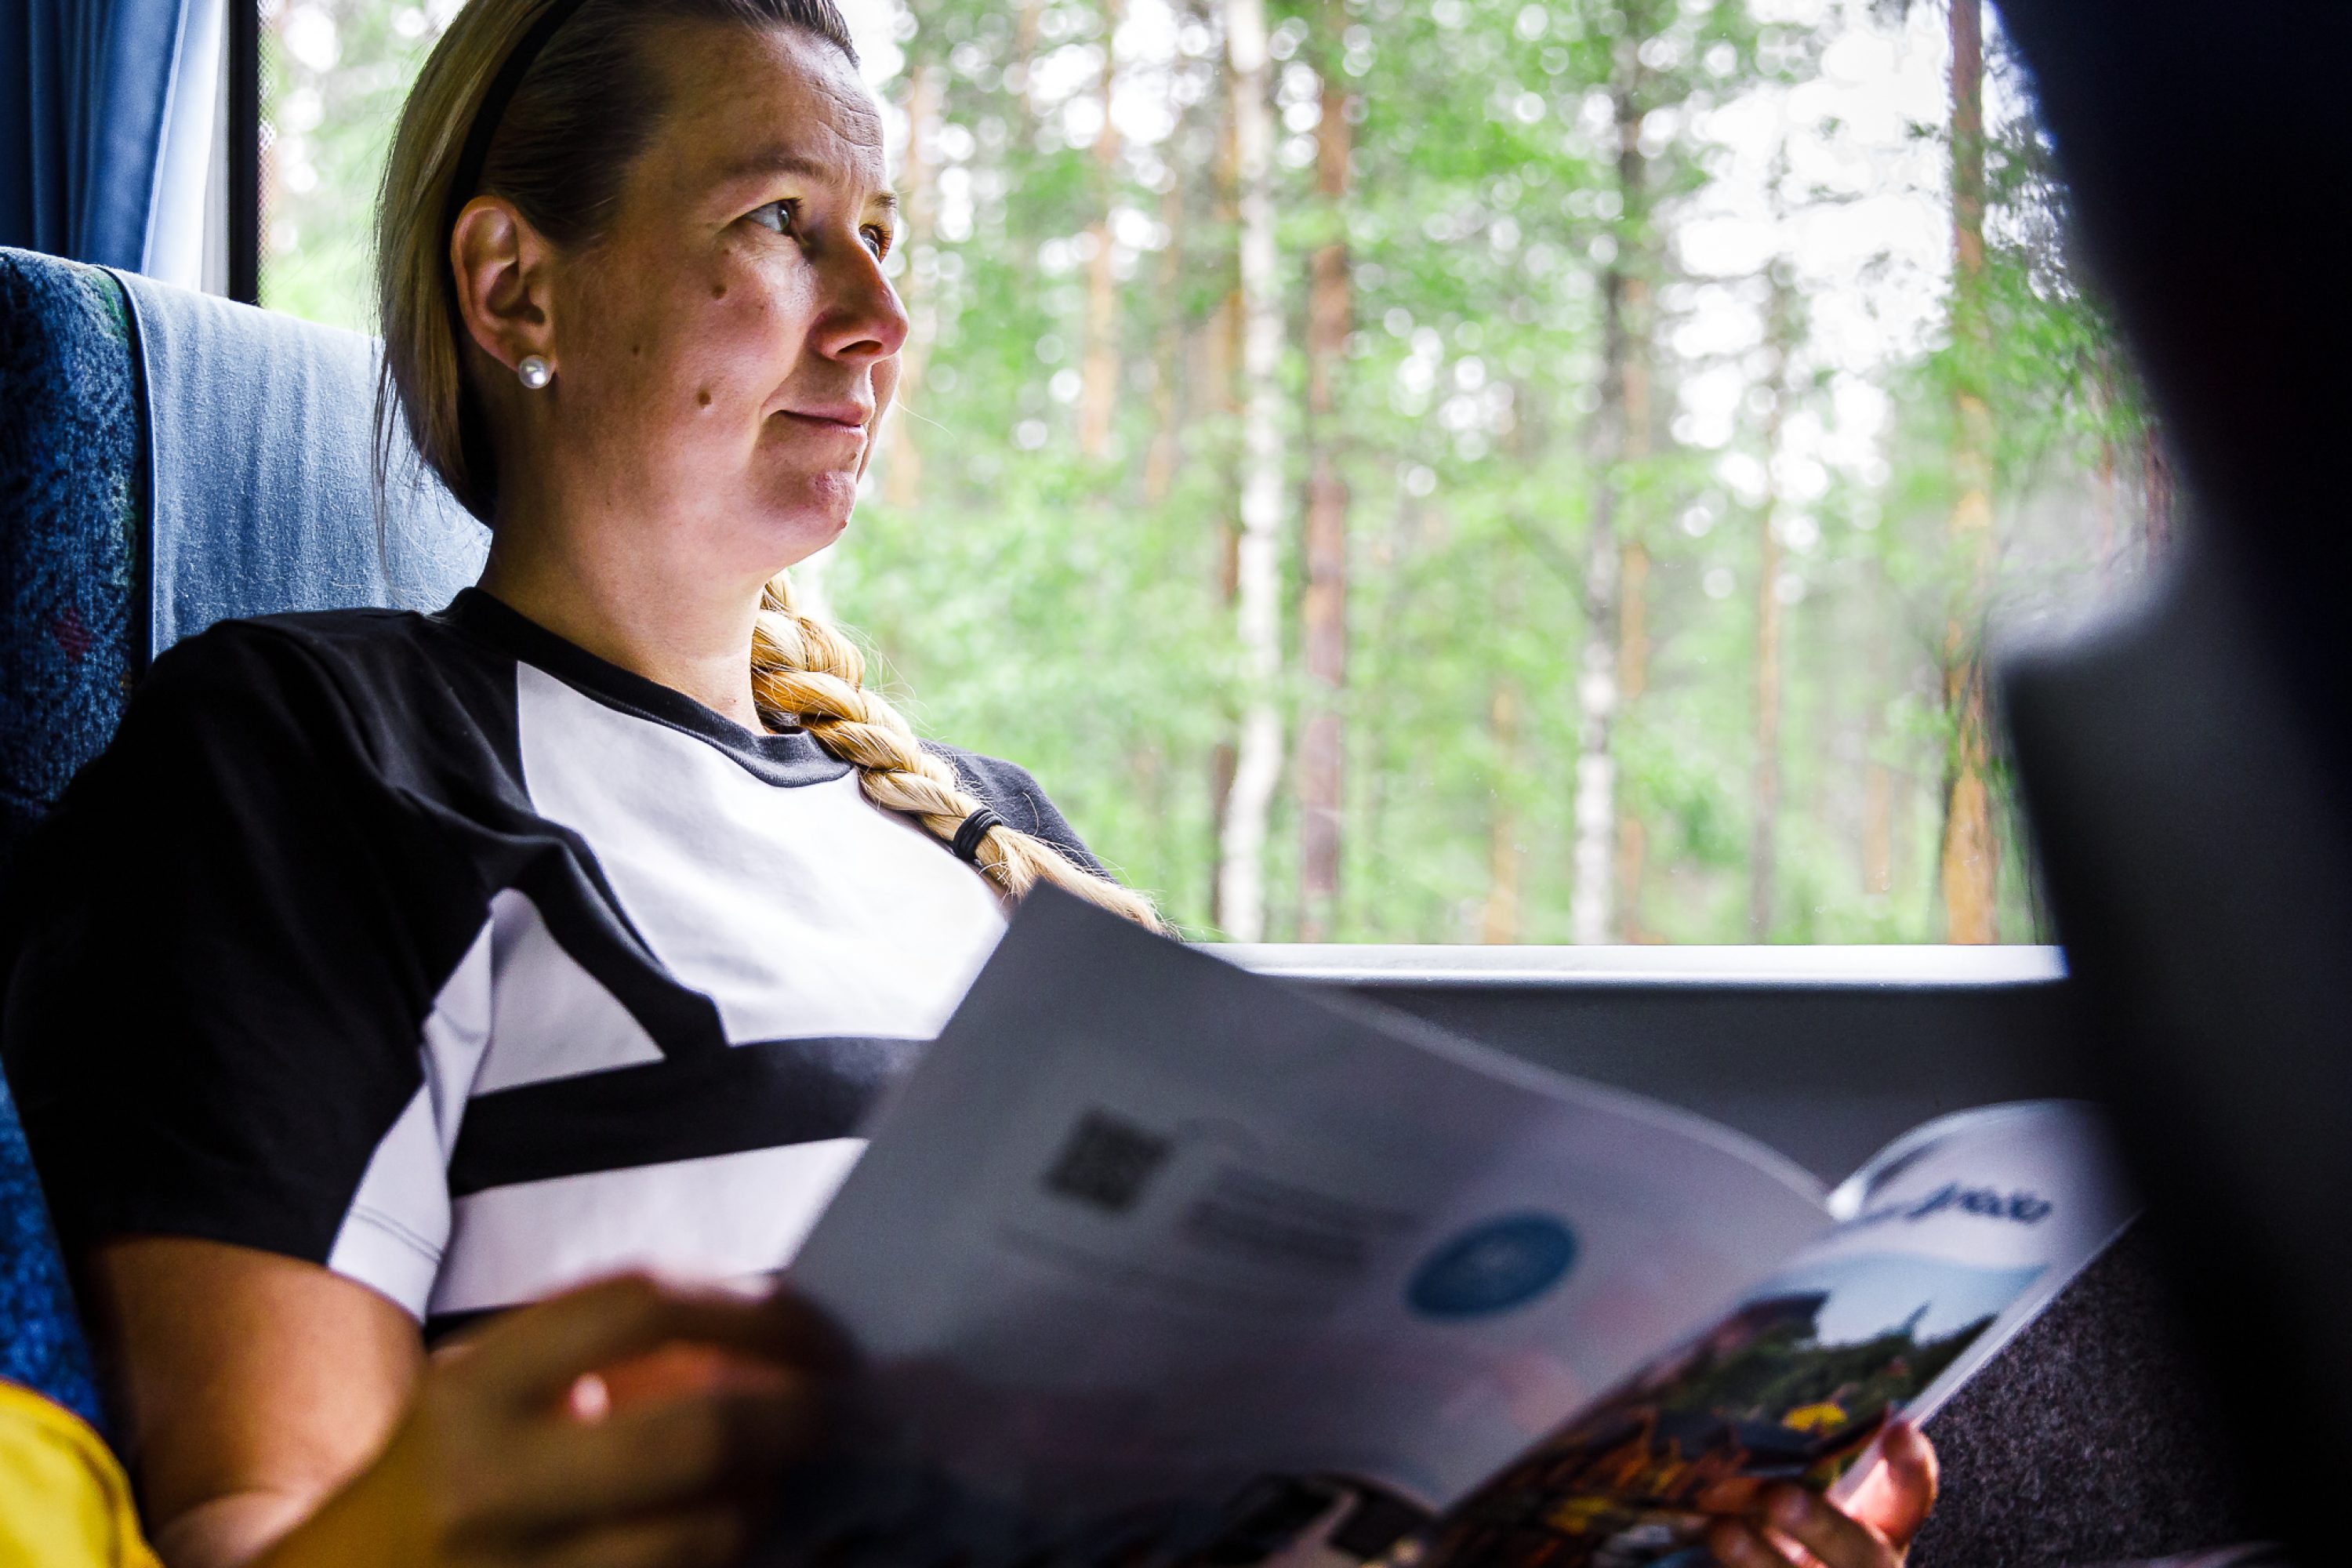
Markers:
333,75
1072,612
1785,1369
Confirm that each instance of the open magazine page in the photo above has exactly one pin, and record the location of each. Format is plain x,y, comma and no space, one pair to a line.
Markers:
1144,1229
1948,1244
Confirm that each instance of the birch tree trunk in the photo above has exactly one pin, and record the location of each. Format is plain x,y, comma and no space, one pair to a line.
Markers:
1594,915
1498,921
1592,918
1257,762
1632,565
1764,827
902,479
1099,365
1323,748
1968,861
1221,352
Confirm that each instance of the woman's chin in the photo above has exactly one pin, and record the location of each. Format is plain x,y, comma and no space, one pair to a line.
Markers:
816,502
796,527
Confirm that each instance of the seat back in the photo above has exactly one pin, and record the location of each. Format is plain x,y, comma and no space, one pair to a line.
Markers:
167,460
40,1340
72,484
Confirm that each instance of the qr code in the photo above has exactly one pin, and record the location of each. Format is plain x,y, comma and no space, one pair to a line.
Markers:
1107,1162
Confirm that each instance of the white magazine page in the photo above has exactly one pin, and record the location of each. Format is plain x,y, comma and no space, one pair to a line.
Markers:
1143,1227
1948,1244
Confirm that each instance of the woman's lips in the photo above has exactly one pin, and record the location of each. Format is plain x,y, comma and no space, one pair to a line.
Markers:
847,416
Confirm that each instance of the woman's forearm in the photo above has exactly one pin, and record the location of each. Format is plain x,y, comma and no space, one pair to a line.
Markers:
241,1529
493,1462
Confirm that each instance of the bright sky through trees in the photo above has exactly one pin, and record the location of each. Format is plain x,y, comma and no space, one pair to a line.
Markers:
1579,521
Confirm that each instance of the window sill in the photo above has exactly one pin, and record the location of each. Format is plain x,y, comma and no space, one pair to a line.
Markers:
1575,968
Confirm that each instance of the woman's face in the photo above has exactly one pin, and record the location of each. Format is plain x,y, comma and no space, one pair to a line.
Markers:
724,352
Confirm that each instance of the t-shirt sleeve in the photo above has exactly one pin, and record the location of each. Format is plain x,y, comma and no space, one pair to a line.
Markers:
228,942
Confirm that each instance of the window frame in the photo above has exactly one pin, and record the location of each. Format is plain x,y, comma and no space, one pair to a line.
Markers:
242,85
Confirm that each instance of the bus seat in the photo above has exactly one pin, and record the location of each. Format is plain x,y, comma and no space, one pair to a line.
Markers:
41,1343
167,460
71,485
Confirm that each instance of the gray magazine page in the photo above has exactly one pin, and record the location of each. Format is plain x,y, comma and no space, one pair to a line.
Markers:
1144,1229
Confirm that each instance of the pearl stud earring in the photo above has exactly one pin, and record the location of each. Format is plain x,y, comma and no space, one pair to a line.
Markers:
534,372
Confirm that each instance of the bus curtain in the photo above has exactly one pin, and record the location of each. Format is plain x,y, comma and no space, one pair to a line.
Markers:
108,114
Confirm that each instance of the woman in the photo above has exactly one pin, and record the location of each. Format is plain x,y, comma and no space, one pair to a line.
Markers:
559,933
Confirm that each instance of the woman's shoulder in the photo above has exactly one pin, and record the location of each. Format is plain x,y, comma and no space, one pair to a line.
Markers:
348,700
370,675
1013,794
302,645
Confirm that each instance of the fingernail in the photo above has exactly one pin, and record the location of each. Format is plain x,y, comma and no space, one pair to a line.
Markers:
1788,1508
590,1399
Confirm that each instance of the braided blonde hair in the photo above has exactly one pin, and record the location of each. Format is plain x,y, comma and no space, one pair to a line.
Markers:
804,670
582,113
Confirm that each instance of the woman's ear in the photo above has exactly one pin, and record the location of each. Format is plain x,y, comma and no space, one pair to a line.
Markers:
505,281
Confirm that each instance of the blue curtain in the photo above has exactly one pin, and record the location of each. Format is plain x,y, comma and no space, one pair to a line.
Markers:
106,120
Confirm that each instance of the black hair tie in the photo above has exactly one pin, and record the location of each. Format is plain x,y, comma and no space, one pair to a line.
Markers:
493,108
975,828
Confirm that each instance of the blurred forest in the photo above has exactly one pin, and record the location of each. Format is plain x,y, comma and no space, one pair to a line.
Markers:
1451,471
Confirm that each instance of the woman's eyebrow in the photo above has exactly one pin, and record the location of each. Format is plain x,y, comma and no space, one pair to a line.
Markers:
784,161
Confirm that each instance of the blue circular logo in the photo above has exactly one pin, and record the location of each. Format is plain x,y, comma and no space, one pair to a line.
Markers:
1493,1267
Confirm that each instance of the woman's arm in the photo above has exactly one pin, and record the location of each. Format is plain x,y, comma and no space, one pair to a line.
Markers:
249,1385
282,1416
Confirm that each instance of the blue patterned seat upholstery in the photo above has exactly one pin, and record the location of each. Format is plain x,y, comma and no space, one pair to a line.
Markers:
166,459
71,489
40,1342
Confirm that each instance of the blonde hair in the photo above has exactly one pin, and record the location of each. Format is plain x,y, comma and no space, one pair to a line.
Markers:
580,114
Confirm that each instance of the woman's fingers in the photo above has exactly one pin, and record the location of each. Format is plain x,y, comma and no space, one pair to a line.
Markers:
661,1454
1895,1497
1796,1527
702,1540
531,1358
1737,1544
1829,1533
588,1417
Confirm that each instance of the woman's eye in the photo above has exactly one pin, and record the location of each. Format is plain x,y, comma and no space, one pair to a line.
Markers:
775,215
878,238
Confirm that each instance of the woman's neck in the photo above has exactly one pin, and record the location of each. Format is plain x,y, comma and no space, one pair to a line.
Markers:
690,636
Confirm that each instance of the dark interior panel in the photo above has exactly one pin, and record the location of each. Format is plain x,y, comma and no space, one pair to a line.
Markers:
1824,1071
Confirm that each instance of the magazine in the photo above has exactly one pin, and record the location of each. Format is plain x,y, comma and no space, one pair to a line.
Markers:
1155,1260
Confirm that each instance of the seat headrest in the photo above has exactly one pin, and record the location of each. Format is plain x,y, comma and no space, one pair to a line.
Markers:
169,459
261,496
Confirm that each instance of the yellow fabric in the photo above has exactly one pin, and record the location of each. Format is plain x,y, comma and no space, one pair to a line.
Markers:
64,1502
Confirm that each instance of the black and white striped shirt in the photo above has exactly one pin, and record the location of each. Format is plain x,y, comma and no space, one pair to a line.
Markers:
436,949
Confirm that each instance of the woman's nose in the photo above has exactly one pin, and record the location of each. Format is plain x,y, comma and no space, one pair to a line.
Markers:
862,318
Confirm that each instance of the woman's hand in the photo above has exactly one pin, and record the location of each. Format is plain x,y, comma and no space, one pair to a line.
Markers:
631,1423
1792,1528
